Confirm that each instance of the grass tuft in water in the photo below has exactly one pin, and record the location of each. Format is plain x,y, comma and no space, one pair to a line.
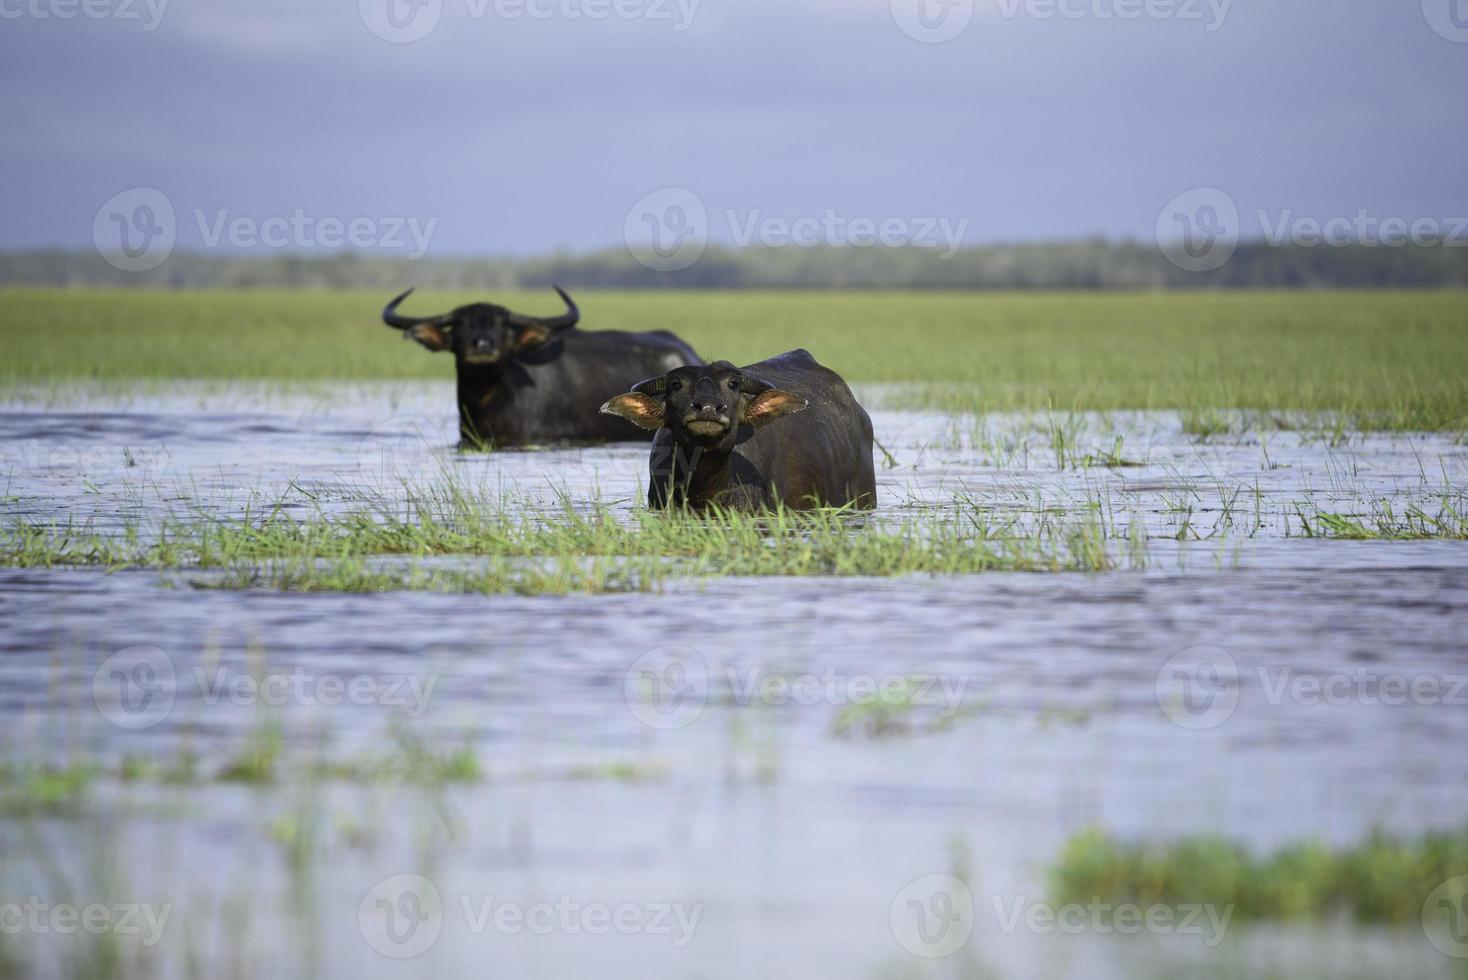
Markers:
903,709
41,790
1384,879
1383,523
516,549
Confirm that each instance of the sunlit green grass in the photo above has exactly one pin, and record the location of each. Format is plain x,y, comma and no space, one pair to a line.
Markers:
1386,360
1448,522
501,547
1382,879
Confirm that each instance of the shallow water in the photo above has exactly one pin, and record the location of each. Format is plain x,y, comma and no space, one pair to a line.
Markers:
1059,702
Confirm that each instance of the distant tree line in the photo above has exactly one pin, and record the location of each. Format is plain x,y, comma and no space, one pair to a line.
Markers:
1092,264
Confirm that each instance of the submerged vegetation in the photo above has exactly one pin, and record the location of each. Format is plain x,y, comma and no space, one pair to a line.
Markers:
1379,360
1449,521
1384,878
449,537
447,540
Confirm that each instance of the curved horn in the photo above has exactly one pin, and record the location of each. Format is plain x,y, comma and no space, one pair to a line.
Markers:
653,387
565,321
391,318
753,386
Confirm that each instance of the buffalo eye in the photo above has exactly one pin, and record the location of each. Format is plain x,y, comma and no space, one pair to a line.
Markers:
675,386
733,384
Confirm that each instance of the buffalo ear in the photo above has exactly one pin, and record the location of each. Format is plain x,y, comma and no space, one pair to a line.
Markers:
773,404
531,337
430,335
637,408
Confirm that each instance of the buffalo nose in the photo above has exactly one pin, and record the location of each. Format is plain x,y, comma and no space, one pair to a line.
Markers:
704,407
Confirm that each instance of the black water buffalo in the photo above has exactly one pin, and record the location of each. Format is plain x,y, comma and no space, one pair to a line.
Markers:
526,380
718,440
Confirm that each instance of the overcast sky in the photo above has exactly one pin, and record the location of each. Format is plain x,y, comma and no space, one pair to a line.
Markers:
521,126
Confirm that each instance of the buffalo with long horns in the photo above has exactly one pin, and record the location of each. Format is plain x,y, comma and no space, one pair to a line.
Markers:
784,432
527,380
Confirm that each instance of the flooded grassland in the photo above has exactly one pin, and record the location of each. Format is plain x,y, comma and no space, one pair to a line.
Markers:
292,685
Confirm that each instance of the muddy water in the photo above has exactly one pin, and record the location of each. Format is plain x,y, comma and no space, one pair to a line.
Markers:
694,757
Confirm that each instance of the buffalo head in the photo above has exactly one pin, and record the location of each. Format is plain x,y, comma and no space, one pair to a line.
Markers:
704,404
481,333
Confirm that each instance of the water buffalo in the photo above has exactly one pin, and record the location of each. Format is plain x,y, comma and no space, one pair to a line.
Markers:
718,440
527,380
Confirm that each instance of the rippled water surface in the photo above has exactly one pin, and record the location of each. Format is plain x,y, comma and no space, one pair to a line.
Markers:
755,796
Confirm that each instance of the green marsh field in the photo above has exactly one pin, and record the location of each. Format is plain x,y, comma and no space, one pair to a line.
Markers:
1387,360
